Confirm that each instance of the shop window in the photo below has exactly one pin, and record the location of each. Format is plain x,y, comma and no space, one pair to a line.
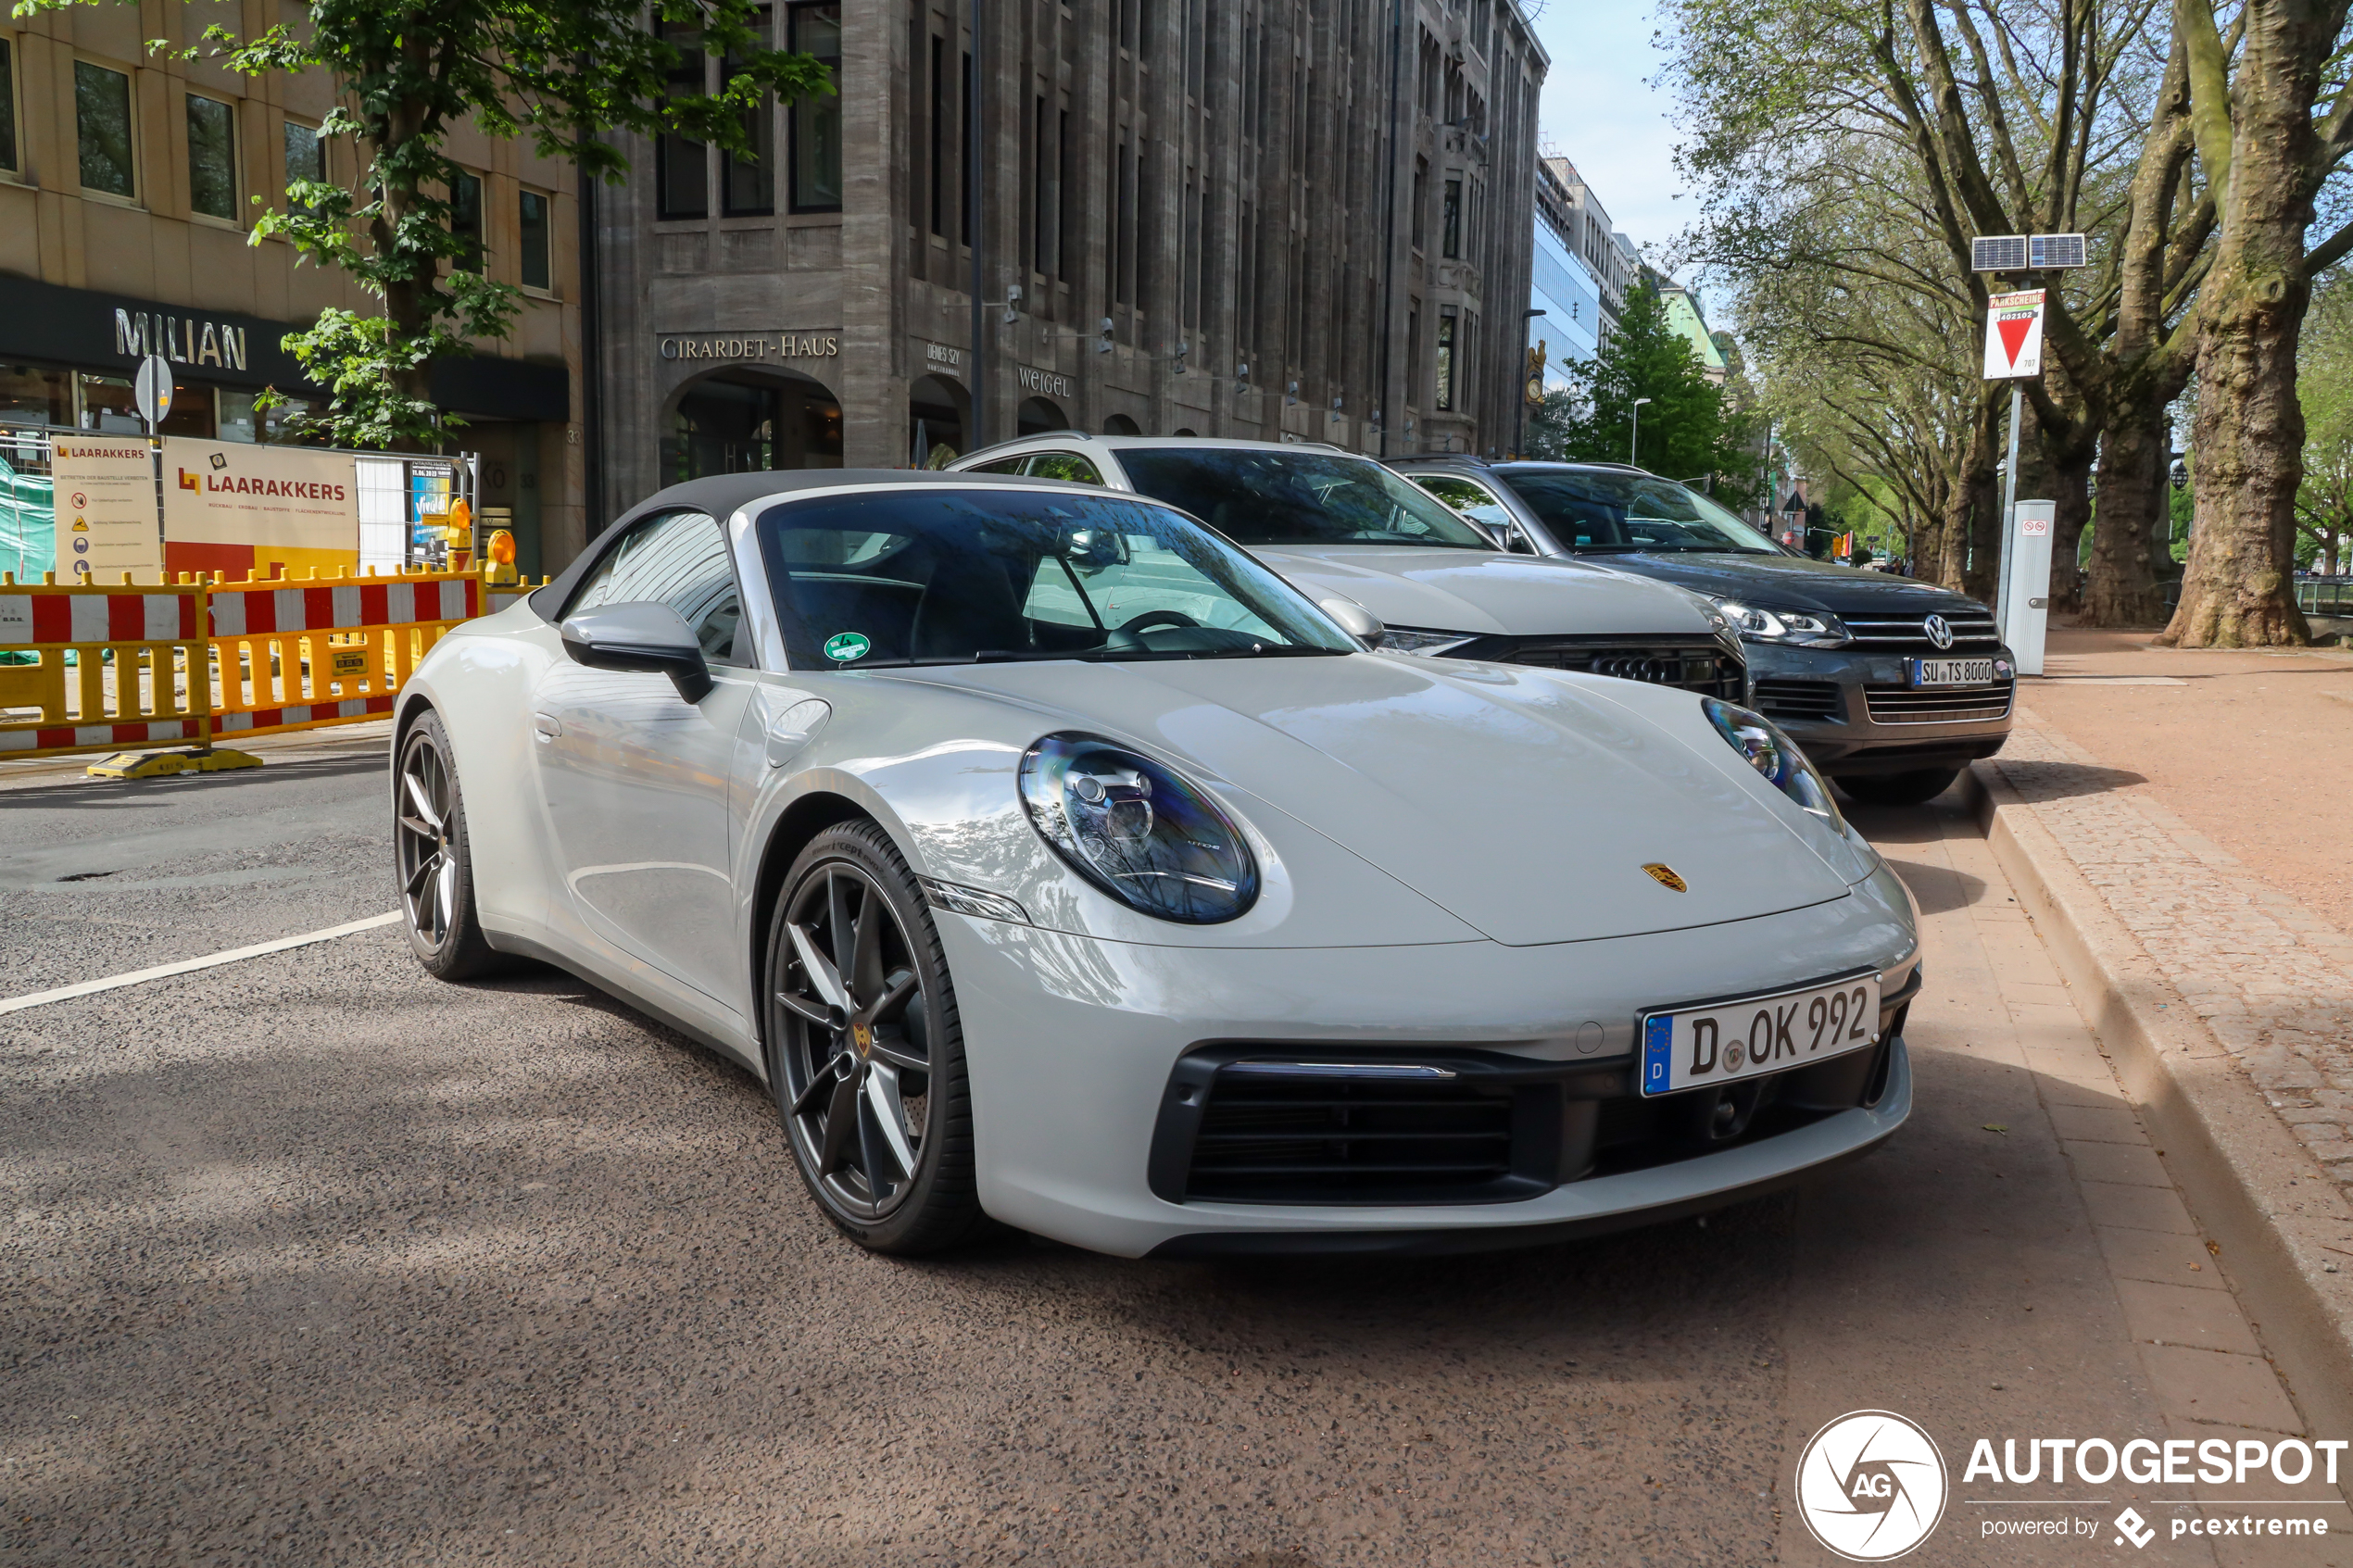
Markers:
465,220
240,421
306,159
106,403
8,105
816,120
1451,222
212,157
531,230
102,128
748,185
30,395
680,169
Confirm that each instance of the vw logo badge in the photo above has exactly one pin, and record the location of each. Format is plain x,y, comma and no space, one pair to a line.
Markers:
1939,630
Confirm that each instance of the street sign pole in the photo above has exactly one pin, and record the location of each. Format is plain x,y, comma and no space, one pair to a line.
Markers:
153,392
2009,516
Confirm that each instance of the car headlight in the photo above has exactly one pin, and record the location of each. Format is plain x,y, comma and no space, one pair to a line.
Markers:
1774,755
1137,829
1801,628
1402,639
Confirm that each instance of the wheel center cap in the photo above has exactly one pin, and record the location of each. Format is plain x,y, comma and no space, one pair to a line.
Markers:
862,1037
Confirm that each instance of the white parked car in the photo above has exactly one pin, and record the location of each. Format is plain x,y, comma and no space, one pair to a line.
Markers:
1052,860
1336,524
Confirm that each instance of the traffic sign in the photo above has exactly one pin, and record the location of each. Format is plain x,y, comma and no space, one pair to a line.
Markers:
2014,336
152,389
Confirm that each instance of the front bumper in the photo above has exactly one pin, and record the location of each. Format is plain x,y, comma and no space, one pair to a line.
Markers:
1077,1047
1851,713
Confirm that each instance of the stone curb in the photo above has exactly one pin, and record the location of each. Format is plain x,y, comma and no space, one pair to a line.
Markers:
2234,1158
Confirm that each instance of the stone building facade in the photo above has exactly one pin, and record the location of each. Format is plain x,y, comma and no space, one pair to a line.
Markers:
1266,218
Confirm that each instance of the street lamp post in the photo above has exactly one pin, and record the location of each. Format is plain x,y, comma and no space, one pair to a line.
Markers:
1634,437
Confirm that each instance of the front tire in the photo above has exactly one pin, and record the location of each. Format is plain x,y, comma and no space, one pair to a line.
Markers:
865,1052
1915,788
433,857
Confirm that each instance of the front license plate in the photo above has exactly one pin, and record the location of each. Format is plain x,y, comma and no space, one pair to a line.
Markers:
1697,1047
1952,672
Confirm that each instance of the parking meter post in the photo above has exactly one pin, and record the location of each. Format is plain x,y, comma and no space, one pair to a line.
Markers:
2025,602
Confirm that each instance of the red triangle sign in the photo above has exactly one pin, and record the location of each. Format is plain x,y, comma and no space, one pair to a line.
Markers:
2013,330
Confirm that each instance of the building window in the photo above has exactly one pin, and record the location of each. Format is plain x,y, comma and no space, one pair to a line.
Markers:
938,135
748,186
680,176
8,106
816,121
1421,204
531,230
212,157
1445,395
102,128
465,220
1451,222
306,159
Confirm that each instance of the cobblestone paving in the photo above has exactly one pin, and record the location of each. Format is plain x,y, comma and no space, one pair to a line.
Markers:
2272,980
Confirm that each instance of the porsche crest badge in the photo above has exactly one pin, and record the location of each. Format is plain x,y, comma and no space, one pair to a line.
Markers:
1664,877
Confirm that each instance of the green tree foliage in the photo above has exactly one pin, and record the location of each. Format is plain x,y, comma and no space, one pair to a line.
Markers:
560,73
2324,387
1687,430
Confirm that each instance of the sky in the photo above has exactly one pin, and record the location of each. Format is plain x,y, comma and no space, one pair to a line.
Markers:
1601,114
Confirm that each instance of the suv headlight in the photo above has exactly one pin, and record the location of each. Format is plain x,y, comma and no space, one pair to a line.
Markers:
1774,755
1137,829
1405,639
1801,628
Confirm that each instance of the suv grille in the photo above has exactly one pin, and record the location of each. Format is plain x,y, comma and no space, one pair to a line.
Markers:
1703,667
1947,705
1800,700
1972,628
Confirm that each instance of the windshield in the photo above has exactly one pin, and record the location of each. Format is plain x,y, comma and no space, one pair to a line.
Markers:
1279,498
1620,512
939,576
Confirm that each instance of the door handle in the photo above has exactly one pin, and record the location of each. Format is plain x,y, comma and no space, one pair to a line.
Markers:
548,724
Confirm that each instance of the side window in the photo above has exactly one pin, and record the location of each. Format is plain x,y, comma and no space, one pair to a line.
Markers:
1064,465
680,559
1474,501
1003,465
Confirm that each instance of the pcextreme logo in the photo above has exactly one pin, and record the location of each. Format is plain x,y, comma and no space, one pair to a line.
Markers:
1870,1485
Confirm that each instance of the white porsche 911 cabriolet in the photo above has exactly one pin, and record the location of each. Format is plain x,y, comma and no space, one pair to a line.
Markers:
1053,861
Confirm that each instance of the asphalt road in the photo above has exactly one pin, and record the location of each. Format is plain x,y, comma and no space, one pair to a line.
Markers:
311,1259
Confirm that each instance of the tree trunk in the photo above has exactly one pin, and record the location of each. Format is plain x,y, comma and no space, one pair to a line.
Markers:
2072,509
2123,589
1970,546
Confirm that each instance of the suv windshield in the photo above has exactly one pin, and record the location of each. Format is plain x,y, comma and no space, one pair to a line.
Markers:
1619,512
938,576
1275,497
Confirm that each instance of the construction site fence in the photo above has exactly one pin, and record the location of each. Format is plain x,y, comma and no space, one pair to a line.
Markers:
205,660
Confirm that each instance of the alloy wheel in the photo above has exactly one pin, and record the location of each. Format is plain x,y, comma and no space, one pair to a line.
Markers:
855,1041
427,830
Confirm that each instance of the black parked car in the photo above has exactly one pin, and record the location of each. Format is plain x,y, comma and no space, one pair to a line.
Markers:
1891,686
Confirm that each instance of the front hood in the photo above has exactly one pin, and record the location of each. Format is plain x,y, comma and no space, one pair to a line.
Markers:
1486,592
1522,802
1797,582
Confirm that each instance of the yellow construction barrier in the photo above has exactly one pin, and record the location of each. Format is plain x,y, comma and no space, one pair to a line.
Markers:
128,666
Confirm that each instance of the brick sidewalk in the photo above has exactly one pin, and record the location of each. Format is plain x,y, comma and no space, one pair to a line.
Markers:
2272,980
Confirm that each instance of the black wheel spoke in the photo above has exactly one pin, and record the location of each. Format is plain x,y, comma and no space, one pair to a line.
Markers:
814,1013
839,1114
872,1151
426,866
821,1082
896,1054
891,1003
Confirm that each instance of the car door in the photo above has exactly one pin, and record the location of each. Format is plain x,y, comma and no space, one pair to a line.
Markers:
636,780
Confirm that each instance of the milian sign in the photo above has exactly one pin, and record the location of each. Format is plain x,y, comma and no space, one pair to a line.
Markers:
752,347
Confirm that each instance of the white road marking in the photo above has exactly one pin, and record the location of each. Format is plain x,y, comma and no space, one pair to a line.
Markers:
234,955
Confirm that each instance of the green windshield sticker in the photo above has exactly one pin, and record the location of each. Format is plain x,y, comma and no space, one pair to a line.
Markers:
846,646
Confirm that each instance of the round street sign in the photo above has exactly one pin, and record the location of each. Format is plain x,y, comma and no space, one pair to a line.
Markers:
153,389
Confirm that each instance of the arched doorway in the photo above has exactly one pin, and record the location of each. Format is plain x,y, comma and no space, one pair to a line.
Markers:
1189,434
1036,416
743,421
1120,425
935,420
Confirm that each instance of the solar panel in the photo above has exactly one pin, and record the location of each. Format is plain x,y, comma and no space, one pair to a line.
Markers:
1998,253
2051,252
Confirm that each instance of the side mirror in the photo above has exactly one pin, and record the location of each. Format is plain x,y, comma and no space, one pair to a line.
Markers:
646,636
1354,618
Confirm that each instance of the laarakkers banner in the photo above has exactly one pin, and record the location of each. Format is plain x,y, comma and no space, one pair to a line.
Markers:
235,508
